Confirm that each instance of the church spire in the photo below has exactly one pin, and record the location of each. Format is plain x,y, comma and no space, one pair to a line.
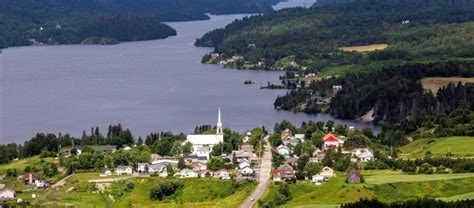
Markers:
219,129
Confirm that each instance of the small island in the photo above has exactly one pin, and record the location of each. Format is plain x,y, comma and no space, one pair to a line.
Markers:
247,82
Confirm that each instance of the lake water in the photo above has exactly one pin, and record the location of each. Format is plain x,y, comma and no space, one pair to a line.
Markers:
146,86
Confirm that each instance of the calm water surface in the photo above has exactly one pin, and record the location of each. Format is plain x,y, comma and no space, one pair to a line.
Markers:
146,86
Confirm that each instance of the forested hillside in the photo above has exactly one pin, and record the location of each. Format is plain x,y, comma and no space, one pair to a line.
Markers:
311,38
70,21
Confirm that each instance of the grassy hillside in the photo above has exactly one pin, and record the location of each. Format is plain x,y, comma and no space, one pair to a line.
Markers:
459,146
203,192
336,191
434,83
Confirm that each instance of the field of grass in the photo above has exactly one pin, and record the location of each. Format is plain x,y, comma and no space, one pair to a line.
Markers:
201,192
459,146
19,165
434,83
386,185
383,179
365,48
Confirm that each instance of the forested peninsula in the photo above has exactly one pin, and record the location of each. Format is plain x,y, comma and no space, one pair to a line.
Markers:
29,22
388,62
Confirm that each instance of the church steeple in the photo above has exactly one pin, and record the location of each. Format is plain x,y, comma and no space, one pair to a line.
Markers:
219,129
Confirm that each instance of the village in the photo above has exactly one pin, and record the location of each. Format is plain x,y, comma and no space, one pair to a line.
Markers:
243,164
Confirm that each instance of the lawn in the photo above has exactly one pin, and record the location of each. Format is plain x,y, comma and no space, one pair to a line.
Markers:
386,185
202,192
383,179
459,146
20,165
364,48
434,83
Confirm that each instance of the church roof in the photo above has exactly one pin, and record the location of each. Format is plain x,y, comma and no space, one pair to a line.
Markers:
203,139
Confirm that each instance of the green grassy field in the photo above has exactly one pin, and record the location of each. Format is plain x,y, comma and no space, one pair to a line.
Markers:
19,165
202,192
383,179
459,146
386,185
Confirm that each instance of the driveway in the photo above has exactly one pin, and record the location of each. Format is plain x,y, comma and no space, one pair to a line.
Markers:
263,177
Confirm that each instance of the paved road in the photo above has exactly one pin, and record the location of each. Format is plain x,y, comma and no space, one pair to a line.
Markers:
263,177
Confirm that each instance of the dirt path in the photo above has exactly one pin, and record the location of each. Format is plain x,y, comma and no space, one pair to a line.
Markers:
263,177
109,180
61,182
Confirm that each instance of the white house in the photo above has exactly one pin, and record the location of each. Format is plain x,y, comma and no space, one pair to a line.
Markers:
318,179
189,173
362,155
207,140
330,141
246,171
283,150
203,152
327,172
141,167
244,163
222,174
7,194
121,170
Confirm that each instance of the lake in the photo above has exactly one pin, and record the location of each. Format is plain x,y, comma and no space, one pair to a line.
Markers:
147,86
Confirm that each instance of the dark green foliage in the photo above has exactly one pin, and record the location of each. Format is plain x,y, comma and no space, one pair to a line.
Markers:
165,189
106,21
313,36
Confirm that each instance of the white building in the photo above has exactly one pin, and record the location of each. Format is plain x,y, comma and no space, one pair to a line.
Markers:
244,163
189,173
7,194
121,170
283,150
141,167
318,179
362,155
247,171
207,140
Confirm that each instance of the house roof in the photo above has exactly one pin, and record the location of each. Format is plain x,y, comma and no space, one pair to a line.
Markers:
123,167
282,147
6,190
285,167
26,176
353,172
330,138
222,170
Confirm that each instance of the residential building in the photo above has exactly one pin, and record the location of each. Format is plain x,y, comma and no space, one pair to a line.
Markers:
317,179
121,170
247,171
283,173
243,163
327,172
189,173
362,155
142,167
30,178
330,141
354,176
283,150
6,194
222,174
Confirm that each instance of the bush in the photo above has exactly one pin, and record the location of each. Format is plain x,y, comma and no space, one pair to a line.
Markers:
164,189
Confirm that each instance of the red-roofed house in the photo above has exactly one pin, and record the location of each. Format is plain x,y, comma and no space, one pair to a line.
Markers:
222,174
330,141
283,173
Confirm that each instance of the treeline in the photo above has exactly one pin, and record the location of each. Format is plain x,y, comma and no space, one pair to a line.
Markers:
313,36
20,20
392,93
425,202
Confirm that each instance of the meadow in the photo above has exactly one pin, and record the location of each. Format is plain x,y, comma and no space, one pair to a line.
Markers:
386,185
364,48
459,146
434,83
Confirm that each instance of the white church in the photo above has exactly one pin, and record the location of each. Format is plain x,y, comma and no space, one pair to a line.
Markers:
203,143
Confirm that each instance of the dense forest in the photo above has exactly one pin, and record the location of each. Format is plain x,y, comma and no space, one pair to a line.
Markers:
69,21
393,93
311,38
425,202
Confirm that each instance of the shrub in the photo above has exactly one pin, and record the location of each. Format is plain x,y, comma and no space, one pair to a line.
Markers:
164,189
